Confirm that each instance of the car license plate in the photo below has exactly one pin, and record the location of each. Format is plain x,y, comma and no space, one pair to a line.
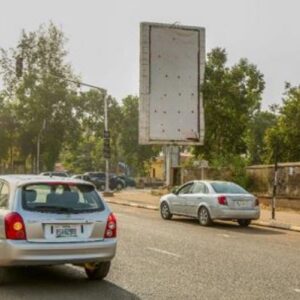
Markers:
242,203
65,231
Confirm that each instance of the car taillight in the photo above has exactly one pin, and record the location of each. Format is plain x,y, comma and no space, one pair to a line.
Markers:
256,202
14,227
222,200
111,227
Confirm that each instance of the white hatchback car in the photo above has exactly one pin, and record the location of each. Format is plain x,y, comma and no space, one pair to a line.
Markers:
49,221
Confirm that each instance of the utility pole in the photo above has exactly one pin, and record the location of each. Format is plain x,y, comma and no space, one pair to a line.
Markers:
275,181
106,137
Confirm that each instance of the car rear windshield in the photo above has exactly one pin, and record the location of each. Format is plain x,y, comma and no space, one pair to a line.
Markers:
61,198
227,188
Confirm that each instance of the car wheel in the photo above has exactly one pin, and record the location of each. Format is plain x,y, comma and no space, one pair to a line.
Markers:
3,275
97,271
244,223
204,217
165,211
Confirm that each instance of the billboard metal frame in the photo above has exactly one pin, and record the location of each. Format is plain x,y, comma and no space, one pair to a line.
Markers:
145,86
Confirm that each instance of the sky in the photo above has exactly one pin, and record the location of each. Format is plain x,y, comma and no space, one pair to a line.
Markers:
103,36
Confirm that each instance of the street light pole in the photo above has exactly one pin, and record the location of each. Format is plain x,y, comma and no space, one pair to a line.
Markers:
107,191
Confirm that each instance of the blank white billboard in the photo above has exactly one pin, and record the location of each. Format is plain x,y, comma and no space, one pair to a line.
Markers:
172,61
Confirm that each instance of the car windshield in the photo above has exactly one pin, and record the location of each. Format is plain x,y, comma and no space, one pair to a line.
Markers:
61,197
227,188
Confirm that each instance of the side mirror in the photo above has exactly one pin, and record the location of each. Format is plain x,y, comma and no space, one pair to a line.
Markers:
174,190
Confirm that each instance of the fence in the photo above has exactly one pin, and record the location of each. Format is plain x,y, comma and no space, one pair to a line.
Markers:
260,180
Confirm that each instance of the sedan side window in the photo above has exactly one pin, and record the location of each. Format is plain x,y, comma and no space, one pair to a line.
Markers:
185,189
199,188
4,195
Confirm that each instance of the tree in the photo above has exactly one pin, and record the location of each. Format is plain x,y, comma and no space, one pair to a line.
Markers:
259,124
133,154
86,154
39,95
283,138
231,98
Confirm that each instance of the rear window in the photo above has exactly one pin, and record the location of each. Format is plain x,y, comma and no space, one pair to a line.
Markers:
227,188
61,198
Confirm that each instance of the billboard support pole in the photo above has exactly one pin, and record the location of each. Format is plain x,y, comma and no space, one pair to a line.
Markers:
172,160
168,158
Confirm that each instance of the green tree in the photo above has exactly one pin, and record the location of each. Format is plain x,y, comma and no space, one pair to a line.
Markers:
231,95
284,137
86,154
255,139
133,154
39,95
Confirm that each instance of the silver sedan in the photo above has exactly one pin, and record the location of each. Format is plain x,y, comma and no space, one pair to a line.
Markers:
49,221
211,200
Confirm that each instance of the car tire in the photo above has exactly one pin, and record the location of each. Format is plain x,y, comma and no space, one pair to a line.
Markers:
98,272
243,222
3,275
204,217
165,211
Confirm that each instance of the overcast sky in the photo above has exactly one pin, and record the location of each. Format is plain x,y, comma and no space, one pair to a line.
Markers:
104,35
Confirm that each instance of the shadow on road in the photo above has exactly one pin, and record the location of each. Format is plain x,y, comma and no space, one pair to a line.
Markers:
58,282
220,225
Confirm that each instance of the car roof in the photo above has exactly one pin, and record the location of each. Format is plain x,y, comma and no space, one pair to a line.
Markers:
27,179
211,181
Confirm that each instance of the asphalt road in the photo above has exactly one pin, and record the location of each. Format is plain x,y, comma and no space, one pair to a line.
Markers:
176,259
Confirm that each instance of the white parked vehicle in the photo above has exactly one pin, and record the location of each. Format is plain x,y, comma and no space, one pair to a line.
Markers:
211,200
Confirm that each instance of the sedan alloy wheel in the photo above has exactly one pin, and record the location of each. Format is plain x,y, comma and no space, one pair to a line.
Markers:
204,217
165,211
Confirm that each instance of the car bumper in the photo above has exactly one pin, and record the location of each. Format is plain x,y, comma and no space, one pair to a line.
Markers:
231,214
23,253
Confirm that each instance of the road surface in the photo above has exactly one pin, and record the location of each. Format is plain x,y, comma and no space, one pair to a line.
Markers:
176,259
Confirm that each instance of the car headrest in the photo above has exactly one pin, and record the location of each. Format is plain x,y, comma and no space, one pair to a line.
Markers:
52,198
70,198
30,195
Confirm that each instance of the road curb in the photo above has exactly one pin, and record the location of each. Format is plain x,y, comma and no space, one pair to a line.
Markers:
273,224
132,204
270,224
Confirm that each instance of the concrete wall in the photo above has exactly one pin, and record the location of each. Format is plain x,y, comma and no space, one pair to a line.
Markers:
205,173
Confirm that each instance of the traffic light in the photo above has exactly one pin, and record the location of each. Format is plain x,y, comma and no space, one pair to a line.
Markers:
106,145
19,66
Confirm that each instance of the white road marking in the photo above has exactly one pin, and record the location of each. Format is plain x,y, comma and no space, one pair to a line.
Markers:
163,251
224,235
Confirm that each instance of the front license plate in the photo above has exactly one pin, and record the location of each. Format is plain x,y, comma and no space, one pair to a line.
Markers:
66,231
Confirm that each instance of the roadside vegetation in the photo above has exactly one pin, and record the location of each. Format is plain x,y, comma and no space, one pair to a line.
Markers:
40,103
